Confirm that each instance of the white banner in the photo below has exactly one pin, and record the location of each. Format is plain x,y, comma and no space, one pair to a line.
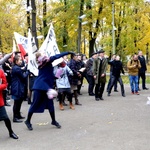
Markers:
32,65
49,46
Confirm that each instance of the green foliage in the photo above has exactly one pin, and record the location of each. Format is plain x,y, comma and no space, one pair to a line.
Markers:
132,20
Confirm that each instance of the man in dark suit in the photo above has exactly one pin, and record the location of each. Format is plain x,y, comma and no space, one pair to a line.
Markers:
99,74
142,70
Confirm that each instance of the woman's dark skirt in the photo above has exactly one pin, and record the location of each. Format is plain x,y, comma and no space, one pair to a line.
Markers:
31,82
3,113
41,102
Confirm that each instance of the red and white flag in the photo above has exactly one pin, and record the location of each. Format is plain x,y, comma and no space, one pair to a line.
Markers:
22,43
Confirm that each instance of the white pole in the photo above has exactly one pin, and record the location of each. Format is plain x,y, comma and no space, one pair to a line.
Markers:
113,29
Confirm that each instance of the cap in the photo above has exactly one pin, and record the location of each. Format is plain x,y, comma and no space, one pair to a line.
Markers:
101,51
93,54
17,52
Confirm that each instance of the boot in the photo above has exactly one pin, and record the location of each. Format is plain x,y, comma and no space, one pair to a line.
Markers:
71,106
76,98
77,102
61,107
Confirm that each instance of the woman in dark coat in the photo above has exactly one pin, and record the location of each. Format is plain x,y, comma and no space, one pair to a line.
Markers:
3,113
43,82
17,87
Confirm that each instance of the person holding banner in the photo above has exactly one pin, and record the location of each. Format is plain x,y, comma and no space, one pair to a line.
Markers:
43,82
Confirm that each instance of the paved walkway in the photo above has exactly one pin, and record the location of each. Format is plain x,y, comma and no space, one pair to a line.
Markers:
117,123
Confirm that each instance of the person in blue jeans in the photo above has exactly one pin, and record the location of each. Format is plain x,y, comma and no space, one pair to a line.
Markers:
133,66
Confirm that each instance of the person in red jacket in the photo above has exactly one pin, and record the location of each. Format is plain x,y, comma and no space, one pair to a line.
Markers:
3,114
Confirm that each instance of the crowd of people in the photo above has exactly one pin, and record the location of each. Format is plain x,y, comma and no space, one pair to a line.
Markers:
66,78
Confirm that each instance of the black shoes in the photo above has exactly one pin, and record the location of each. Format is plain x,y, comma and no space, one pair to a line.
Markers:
108,94
29,125
97,99
17,120
101,98
21,117
123,95
91,94
13,135
55,123
116,91
145,88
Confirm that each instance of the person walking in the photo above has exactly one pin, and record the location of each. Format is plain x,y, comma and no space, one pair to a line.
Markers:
117,69
43,82
111,68
99,73
142,70
90,77
18,76
133,66
3,114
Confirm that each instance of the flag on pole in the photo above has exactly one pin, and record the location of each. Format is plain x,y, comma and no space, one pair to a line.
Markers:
22,43
49,46
32,65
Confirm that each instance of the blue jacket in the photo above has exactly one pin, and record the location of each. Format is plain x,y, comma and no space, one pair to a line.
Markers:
18,81
45,78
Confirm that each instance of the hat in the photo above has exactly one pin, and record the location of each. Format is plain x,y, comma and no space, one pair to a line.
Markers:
101,51
93,54
17,52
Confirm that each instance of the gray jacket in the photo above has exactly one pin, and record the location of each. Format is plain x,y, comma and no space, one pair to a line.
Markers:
63,82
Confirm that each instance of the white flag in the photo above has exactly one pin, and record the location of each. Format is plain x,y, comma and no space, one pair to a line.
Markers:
32,65
49,46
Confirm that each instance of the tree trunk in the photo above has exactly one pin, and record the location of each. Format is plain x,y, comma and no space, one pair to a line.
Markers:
28,15
80,26
44,18
65,32
34,33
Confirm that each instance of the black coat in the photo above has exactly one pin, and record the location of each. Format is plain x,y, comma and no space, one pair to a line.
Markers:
18,77
75,69
117,68
143,64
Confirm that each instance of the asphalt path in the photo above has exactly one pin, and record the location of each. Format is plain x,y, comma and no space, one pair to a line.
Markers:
116,123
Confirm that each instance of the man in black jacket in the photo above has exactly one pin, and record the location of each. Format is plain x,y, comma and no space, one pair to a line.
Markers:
142,70
117,69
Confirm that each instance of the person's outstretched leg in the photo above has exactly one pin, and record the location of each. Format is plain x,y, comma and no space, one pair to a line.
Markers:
8,125
54,122
28,121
